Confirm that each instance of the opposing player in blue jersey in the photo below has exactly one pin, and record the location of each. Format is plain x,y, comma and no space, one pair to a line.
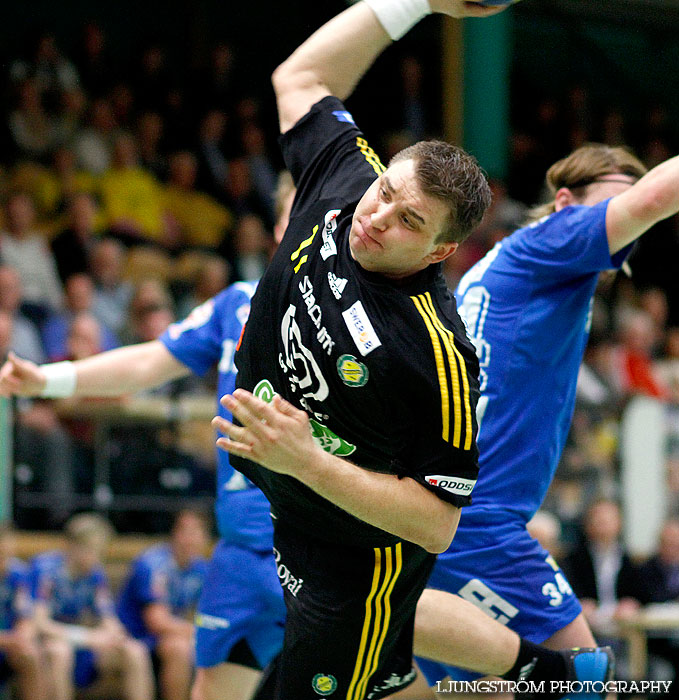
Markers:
527,306
159,597
74,612
19,654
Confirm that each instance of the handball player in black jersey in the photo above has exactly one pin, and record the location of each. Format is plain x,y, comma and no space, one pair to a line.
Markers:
355,412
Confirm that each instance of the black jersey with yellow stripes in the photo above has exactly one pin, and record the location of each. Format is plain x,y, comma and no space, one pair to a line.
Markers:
384,371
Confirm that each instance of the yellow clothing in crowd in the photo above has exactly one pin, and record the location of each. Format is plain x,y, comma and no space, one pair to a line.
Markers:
202,219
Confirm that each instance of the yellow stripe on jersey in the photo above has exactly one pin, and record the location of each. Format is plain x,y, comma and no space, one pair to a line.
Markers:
304,244
440,369
450,344
377,618
370,155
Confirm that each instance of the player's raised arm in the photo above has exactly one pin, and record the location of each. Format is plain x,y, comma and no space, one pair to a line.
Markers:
654,198
113,373
334,58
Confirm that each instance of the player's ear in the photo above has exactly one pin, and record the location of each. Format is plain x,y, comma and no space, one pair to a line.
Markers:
564,198
442,251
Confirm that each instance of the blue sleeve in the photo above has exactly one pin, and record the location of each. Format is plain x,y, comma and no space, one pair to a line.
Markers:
22,605
569,243
150,584
197,340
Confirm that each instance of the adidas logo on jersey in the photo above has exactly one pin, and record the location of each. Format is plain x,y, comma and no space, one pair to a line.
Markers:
337,284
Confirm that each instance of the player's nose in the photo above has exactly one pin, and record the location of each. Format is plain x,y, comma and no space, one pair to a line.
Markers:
379,219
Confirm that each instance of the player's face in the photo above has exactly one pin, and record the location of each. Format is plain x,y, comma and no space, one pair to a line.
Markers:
395,225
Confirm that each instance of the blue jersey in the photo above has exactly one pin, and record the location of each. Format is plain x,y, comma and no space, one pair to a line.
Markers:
527,308
71,599
208,336
15,595
157,578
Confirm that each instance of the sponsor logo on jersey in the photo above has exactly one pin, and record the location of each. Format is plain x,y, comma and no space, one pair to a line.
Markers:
393,683
343,116
197,318
351,371
337,284
328,249
292,583
361,329
264,390
315,314
211,622
453,484
328,441
299,364
324,684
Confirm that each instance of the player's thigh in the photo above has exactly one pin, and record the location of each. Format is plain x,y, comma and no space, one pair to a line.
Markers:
225,680
575,634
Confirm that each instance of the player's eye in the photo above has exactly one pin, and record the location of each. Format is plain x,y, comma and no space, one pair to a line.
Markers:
407,221
384,193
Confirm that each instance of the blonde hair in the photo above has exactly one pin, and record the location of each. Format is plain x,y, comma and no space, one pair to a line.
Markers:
89,529
582,167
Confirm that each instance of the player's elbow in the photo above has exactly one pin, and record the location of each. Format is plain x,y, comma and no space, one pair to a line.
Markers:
438,538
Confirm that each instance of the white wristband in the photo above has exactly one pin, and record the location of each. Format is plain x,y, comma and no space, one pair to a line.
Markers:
398,17
60,380
77,635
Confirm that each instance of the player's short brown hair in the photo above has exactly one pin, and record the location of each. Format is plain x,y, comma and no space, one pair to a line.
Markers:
89,529
452,175
582,167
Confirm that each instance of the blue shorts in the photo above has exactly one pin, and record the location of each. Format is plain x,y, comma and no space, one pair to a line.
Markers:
242,600
495,564
84,669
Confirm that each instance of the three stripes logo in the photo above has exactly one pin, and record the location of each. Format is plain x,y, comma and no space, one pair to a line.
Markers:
388,564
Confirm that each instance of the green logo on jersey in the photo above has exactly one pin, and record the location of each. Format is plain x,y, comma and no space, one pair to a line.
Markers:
264,390
351,371
324,684
323,437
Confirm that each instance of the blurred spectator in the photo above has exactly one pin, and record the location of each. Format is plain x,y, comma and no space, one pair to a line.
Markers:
33,131
122,103
94,144
72,246
212,162
150,297
131,197
84,337
252,248
149,136
158,599
600,570
152,80
210,276
24,249
414,110
24,338
546,529
262,173
654,302
71,110
19,652
667,368
74,610
52,72
93,62
202,220
633,360
112,293
215,86
79,300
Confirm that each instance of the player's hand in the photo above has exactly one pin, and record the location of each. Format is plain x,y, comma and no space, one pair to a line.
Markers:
460,8
276,435
20,377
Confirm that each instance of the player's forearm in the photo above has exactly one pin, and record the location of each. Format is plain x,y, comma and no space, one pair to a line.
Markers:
126,370
654,198
399,506
331,61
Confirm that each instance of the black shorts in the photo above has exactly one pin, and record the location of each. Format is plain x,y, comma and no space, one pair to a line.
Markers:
350,616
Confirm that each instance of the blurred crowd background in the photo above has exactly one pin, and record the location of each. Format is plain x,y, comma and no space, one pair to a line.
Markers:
137,179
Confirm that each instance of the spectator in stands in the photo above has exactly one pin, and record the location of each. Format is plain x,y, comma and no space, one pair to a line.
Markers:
93,63
212,162
25,339
28,253
209,278
19,652
600,570
112,293
79,300
72,246
83,639
159,597
634,361
149,134
152,78
84,337
94,144
252,248
33,131
203,221
131,197
546,529
262,173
